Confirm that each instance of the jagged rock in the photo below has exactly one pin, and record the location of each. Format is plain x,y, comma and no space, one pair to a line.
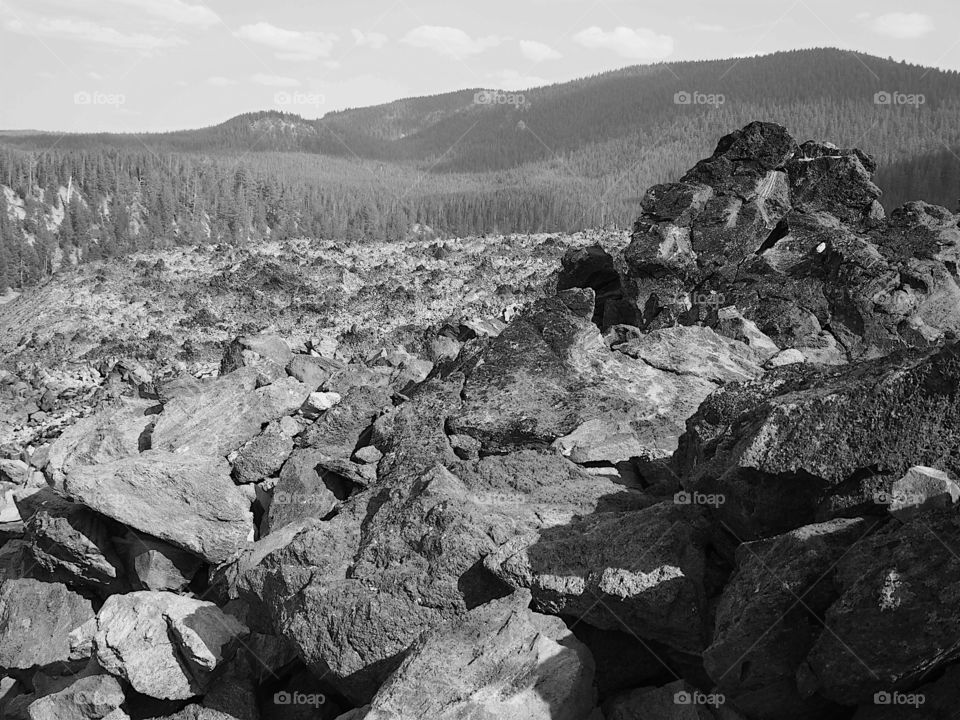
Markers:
318,403
732,324
313,371
89,698
795,239
263,456
894,622
187,500
640,571
499,660
355,591
228,413
549,376
267,354
778,447
338,433
117,432
922,488
301,492
368,455
592,267
70,541
166,646
156,565
36,619
766,621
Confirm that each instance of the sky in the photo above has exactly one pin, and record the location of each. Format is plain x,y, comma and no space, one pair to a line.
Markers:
155,65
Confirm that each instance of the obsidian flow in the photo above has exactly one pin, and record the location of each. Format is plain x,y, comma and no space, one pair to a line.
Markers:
711,472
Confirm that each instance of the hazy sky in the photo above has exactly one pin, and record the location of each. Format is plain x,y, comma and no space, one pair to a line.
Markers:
125,65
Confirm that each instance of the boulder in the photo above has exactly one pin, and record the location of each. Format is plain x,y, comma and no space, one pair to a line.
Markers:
228,413
166,646
777,448
301,492
71,542
499,660
186,500
156,565
313,371
267,354
263,456
36,619
89,698
641,572
921,489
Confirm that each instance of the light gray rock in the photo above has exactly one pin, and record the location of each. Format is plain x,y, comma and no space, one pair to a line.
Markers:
89,698
920,489
187,500
263,456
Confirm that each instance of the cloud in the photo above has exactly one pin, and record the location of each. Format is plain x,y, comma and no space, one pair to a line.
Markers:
175,11
538,51
903,26
275,80
220,81
635,44
290,44
449,41
373,40
512,80
67,28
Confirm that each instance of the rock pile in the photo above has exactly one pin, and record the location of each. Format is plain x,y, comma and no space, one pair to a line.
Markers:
713,475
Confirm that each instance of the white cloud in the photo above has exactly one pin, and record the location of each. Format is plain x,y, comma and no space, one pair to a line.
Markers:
275,80
512,80
290,44
220,81
67,28
449,41
903,26
635,44
373,40
175,11
538,51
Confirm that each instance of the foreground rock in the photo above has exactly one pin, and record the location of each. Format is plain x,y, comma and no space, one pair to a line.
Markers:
166,646
89,698
500,660
187,500
779,447
36,619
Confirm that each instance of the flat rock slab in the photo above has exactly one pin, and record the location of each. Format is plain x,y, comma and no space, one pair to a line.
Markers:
228,413
187,500
89,698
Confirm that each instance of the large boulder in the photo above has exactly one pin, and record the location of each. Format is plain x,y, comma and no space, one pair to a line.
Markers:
777,448
70,541
187,500
166,646
500,660
225,415
641,572
36,620
90,698
267,354
549,377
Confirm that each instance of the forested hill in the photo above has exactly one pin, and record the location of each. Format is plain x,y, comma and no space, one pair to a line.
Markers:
563,157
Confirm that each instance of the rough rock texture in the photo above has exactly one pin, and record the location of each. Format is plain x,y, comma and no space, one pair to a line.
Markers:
677,701
263,456
187,500
779,447
642,572
549,375
89,698
500,660
301,491
793,236
164,645
225,415
922,488
36,619
71,542
267,354
156,565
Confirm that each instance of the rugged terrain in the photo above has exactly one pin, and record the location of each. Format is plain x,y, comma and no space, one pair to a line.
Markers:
707,470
